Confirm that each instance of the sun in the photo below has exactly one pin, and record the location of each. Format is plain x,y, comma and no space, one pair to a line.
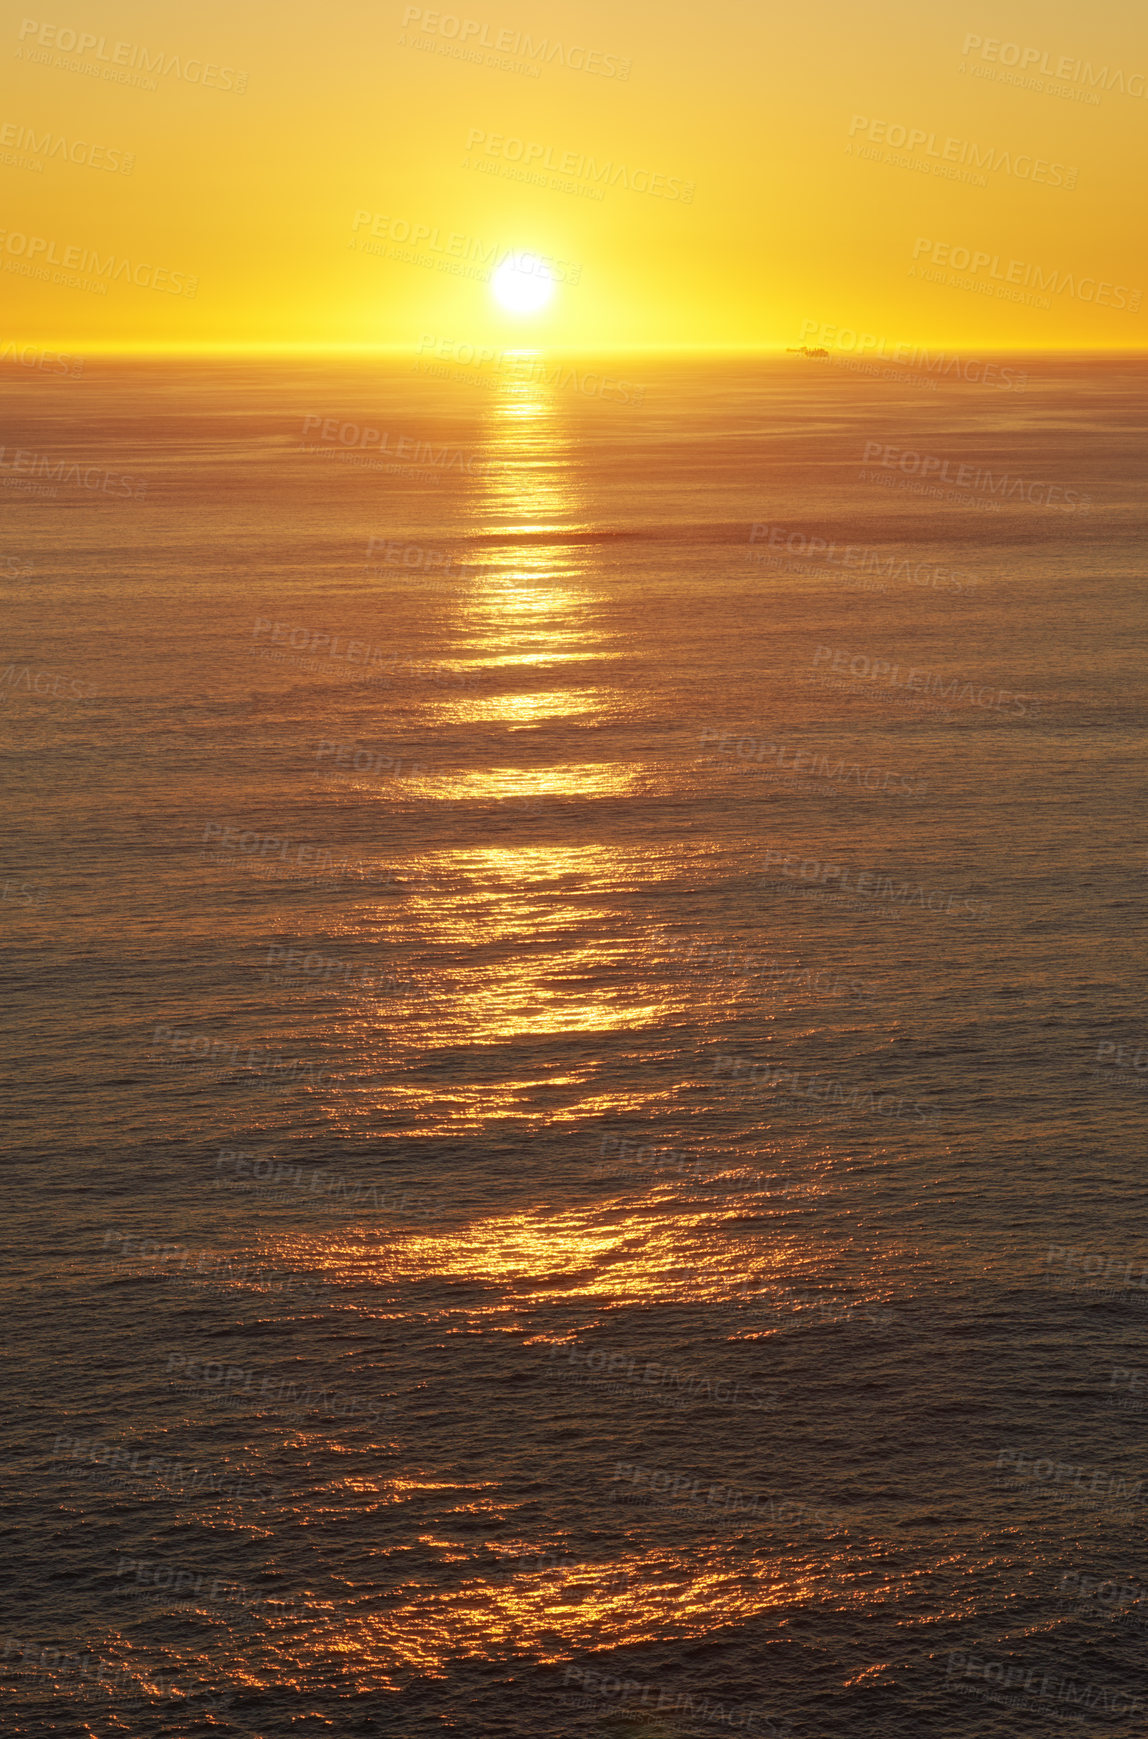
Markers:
522,285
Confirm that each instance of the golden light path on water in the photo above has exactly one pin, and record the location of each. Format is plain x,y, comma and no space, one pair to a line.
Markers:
613,1257
541,913
520,709
549,1617
519,942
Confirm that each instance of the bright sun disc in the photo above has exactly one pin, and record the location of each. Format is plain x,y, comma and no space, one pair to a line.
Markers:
522,292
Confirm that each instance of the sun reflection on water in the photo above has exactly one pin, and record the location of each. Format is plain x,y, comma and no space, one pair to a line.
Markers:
654,1248
533,934
551,1616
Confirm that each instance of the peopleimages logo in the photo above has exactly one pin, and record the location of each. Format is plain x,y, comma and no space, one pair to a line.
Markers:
126,57
941,362
759,1078
884,672
972,477
966,153
1068,70
96,477
869,884
472,33
1026,1687
170,1469
1024,276
15,677
206,1375
530,153
461,254
40,251
747,747
389,552
929,575
24,138
404,448
46,361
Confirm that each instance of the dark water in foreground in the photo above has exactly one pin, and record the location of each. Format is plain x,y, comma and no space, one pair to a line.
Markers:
576,1138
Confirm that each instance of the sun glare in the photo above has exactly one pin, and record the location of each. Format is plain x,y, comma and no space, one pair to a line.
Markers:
519,290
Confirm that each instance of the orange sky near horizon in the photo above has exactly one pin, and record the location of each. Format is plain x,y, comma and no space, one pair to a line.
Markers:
742,178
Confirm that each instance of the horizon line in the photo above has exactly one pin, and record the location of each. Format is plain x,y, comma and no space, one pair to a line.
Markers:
230,347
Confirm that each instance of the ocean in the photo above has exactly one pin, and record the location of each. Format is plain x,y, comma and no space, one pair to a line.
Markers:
575,1139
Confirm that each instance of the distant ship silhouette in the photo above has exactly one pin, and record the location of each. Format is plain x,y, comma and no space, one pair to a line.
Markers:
803,350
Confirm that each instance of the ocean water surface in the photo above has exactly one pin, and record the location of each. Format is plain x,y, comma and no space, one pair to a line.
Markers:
576,1133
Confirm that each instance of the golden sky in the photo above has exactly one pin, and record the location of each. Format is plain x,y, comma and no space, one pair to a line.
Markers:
743,175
